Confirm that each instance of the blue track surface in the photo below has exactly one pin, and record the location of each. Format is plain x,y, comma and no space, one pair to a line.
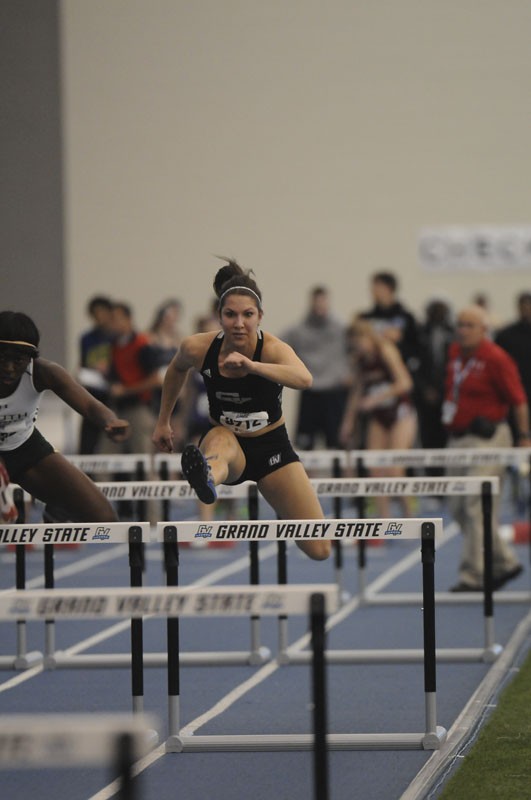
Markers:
363,698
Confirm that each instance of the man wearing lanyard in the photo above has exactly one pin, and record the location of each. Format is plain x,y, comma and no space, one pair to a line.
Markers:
482,385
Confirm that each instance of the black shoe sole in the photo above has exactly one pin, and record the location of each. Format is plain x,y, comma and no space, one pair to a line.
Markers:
195,470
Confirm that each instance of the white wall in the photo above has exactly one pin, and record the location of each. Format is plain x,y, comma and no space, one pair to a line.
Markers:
309,139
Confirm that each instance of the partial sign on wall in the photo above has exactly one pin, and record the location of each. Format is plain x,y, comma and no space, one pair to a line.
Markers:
488,248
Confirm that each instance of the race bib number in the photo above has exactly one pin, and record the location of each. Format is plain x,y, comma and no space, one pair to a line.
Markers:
240,422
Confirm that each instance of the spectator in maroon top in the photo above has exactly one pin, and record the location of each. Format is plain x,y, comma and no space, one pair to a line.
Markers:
134,375
482,386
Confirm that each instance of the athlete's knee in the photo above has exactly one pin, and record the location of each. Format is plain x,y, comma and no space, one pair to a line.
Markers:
317,551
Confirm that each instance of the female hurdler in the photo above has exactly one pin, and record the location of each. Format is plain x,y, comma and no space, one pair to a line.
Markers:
26,457
244,370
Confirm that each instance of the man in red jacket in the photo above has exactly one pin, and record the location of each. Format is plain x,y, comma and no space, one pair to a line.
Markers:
482,385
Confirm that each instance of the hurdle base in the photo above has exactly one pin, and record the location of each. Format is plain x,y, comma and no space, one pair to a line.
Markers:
292,742
441,598
434,739
62,660
33,659
492,653
394,656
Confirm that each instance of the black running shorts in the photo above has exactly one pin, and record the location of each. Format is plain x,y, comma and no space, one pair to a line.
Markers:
265,454
22,458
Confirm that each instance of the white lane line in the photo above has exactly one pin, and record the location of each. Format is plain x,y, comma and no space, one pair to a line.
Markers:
268,669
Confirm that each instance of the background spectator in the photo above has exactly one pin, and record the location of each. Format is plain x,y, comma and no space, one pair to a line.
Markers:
134,375
94,365
164,339
380,398
320,341
435,336
482,384
516,340
389,317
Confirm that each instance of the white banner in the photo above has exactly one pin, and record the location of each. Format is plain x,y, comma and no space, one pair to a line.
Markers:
111,463
166,490
187,601
72,533
393,487
299,530
449,457
485,247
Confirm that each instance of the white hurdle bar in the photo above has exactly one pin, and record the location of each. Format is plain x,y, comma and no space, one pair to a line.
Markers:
73,740
218,601
405,487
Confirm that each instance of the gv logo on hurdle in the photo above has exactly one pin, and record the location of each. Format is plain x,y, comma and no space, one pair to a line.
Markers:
101,534
394,529
203,532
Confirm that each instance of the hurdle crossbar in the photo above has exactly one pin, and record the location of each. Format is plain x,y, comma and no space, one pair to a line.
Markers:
72,740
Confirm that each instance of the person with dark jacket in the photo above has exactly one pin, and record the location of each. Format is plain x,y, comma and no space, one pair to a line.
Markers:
436,334
516,340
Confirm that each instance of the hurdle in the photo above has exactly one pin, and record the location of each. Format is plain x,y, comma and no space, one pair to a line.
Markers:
202,602
36,741
362,488
136,535
333,529
449,457
90,533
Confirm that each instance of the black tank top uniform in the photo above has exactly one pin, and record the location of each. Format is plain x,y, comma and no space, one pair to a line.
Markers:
243,405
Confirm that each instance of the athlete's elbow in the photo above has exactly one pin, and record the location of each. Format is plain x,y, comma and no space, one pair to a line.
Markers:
306,380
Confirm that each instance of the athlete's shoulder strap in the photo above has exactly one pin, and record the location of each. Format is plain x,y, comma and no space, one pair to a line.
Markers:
210,360
257,355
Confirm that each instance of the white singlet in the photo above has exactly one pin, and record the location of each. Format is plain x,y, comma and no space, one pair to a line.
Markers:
18,412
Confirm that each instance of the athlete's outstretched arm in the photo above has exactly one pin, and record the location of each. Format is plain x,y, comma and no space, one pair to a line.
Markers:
48,375
174,380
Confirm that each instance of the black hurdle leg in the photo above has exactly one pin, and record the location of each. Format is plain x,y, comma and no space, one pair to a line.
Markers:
432,736
171,565
361,471
491,649
142,506
282,579
124,767
320,750
49,624
258,654
22,659
164,474
337,545
136,563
